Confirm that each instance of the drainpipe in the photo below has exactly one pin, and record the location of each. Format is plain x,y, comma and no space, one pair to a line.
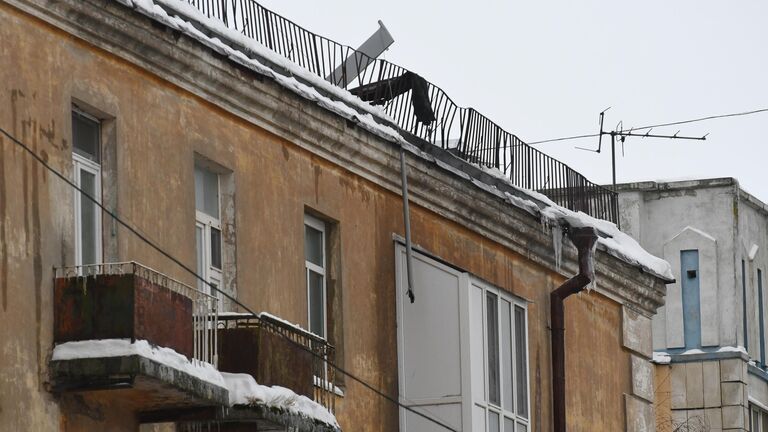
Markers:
407,223
584,239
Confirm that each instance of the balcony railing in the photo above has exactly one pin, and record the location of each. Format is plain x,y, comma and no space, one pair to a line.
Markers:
282,356
204,306
417,106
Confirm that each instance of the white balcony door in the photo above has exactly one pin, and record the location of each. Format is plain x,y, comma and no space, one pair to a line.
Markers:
87,176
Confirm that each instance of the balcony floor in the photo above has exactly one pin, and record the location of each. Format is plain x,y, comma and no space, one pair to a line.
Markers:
142,384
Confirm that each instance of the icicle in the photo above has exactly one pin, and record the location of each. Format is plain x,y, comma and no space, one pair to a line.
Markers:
592,274
557,245
545,222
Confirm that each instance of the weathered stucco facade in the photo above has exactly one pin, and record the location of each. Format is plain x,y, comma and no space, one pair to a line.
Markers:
715,381
167,101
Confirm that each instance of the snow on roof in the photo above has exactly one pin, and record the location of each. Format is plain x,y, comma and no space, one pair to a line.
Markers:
244,390
100,348
350,106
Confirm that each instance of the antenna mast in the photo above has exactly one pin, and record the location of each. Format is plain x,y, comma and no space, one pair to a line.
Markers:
622,134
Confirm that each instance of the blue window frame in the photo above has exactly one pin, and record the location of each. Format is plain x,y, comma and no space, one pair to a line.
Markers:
760,316
689,275
744,305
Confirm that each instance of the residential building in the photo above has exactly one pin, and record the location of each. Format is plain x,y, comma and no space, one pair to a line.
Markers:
218,176
709,338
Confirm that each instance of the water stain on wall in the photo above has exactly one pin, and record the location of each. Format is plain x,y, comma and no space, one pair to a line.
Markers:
3,239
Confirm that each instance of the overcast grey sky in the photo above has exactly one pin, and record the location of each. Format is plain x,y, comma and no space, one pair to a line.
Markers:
546,69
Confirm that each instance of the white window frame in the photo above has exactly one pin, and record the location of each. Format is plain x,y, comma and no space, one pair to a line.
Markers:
319,225
81,163
485,404
467,282
206,222
756,415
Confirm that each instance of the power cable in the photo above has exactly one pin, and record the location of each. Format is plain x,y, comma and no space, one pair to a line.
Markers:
712,117
213,287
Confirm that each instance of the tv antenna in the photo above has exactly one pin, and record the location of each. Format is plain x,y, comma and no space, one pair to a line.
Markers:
622,134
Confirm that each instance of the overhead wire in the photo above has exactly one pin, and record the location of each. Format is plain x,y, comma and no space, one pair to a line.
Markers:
213,287
695,120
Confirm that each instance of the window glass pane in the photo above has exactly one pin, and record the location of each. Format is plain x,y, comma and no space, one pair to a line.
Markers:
215,248
763,422
478,418
200,260
509,425
313,245
493,422
207,192
522,428
85,137
492,325
521,369
88,214
507,396
754,421
316,306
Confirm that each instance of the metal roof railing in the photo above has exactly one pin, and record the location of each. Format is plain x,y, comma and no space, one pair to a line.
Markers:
417,106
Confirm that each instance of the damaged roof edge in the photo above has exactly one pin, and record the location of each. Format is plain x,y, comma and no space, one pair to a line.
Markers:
342,103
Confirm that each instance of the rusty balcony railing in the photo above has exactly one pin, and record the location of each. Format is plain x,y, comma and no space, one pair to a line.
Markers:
417,106
276,352
144,311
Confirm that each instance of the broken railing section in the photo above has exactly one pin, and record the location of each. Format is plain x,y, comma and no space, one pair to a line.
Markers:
276,352
129,300
417,106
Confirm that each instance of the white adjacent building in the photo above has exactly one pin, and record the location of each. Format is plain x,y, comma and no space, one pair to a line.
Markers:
712,329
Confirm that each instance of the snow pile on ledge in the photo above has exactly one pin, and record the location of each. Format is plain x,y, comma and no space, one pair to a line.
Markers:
244,390
618,244
660,357
246,315
100,348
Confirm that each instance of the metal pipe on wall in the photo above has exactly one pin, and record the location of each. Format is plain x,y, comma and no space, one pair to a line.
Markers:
407,223
584,239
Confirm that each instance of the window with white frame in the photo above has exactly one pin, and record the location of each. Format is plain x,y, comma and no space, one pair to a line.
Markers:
315,269
208,228
462,350
758,419
86,158
500,368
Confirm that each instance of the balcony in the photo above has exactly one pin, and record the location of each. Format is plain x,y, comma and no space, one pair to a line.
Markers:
160,348
277,354
148,339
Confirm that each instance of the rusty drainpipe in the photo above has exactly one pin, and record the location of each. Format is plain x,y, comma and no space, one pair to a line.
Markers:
584,239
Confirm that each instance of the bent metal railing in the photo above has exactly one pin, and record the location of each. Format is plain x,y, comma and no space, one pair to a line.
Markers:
323,353
205,308
416,105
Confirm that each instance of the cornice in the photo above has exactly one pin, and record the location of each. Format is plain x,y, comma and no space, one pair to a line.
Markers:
240,91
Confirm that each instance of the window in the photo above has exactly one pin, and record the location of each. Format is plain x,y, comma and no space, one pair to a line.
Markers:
315,266
500,403
208,228
689,273
758,419
86,157
462,350
744,305
761,320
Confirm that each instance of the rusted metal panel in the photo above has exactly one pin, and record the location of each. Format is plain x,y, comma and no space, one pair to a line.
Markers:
120,307
94,307
268,357
162,316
